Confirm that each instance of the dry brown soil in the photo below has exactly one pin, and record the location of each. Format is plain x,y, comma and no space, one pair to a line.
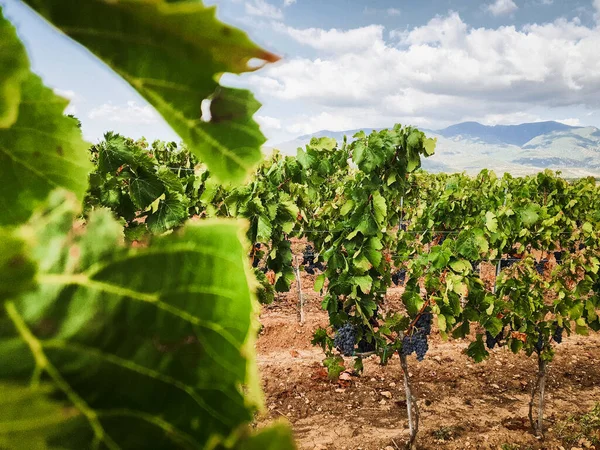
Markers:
463,405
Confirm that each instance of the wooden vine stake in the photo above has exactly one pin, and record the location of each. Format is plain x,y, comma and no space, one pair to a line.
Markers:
300,297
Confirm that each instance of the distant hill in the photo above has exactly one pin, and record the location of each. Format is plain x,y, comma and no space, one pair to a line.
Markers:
517,149
503,134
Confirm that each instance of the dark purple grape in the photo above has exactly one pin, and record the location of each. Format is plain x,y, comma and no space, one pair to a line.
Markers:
417,341
541,266
345,338
492,341
399,277
558,335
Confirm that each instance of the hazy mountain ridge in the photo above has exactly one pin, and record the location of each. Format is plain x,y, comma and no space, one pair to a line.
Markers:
517,149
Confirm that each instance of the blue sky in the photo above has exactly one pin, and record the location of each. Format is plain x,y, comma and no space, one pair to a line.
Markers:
351,64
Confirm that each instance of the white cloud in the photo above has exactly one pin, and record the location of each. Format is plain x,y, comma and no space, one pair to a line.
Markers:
288,2
262,8
306,124
335,40
267,122
572,122
502,7
439,73
389,11
66,93
73,98
131,113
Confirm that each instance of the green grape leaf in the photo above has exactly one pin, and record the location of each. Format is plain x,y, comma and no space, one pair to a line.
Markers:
471,244
14,69
170,180
372,251
264,230
530,215
17,270
347,207
41,151
129,338
117,151
476,350
173,54
494,326
172,211
29,419
144,188
364,282
429,145
379,207
319,282
491,223
275,437
441,322
461,266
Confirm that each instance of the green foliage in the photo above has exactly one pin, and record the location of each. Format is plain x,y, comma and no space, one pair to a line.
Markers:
152,189
14,70
29,419
41,150
103,345
17,271
172,320
173,54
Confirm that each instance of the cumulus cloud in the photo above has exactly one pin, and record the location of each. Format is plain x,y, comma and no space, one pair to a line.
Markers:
442,72
131,113
573,122
334,40
502,7
66,93
262,8
388,11
268,122
73,98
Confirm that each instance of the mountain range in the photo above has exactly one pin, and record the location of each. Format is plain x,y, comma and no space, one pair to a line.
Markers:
517,149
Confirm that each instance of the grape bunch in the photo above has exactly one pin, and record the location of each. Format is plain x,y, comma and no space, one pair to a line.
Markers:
417,341
399,277
558,335
506,263
256,255
541,266
539,345
365,346
491,341
558,256
308,261
345,338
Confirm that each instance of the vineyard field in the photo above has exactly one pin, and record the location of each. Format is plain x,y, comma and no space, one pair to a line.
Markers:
462,404
205,295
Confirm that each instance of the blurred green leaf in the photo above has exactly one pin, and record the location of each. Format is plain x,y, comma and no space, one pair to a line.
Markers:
41,151
14,69
173,54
